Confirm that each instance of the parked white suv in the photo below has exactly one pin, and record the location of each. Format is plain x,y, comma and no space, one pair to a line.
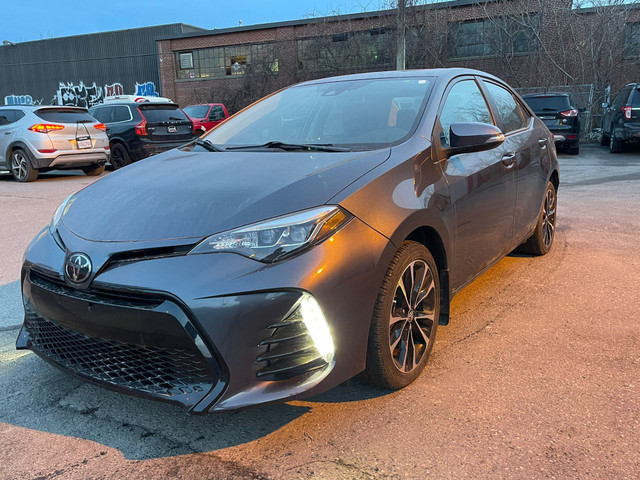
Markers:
35,139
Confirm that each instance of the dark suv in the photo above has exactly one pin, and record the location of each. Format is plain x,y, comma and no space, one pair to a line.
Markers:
621,119
138,130
557,112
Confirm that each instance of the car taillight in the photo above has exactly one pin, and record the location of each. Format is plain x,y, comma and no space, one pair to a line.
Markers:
570,113
627,112
100,126
45,127
141,128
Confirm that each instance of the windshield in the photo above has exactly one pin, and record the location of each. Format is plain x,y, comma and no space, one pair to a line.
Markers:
358,114
196,111
556,103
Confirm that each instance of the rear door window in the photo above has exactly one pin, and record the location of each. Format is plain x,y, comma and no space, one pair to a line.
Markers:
121,113
9,116
102,114
507,108
64,115
162,113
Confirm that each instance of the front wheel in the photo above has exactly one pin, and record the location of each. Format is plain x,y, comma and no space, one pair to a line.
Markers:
542,239
21,168
405,318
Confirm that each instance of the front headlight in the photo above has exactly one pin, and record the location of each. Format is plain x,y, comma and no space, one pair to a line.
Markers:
60,211
280,237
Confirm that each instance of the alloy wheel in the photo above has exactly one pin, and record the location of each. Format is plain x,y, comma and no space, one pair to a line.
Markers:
412,317
19,166
549,217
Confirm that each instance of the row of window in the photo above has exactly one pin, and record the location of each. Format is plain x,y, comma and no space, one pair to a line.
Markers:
376,48
370,48
223,61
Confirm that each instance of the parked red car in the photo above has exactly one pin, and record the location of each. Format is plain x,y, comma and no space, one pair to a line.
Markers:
206,116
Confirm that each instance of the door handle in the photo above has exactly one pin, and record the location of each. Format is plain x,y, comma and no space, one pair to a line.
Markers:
7,133
509,159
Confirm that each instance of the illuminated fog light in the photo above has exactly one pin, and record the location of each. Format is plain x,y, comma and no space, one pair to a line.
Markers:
317,327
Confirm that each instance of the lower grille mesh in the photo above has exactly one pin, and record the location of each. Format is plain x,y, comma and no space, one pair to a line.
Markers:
152,370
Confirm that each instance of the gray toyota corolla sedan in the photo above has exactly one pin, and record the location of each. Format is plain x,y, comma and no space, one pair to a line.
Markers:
317,234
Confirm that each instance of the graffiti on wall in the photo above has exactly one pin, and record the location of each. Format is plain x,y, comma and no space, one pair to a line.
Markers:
113,89
21,100
147,89
79,95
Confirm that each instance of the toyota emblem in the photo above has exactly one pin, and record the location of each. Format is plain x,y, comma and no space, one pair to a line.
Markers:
78,267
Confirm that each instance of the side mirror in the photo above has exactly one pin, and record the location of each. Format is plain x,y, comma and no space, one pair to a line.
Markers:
468,137
605,104
582,109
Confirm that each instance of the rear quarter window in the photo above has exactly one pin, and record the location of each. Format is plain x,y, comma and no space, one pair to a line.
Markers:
635,99
64,115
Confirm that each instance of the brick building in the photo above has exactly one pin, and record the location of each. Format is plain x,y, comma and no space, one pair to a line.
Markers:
530,44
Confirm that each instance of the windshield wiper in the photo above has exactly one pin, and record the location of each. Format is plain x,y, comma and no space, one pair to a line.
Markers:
317,147
208,145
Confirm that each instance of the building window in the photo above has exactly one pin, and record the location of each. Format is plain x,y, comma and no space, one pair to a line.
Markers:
220,62
489,37
632,40
347,51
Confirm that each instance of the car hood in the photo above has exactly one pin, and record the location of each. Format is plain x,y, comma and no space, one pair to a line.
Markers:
188,194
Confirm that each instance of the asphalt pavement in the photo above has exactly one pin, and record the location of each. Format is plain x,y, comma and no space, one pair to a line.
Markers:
537,376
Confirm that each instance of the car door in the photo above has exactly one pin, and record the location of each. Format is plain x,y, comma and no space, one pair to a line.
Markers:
528,143
482,185
7,131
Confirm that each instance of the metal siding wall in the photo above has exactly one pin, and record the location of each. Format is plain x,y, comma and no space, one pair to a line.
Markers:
124,57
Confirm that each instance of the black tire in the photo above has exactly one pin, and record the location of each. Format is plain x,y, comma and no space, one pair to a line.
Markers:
93,170
119,156
604,139
20,166
413,332
573,149
615,145
542,239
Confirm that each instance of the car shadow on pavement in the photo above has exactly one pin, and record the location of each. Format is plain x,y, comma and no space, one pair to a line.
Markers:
43,398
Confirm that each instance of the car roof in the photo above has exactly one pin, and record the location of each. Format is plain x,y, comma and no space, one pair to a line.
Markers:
445,73
135,104
549,94
39,107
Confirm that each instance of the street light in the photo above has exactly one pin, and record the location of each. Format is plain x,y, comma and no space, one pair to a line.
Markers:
7,43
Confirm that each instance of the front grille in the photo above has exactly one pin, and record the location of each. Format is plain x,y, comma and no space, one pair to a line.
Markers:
290,350
174,373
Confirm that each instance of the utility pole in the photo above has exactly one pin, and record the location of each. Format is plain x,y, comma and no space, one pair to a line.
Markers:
401,42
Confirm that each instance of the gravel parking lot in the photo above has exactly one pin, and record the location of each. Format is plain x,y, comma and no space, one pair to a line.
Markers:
537,376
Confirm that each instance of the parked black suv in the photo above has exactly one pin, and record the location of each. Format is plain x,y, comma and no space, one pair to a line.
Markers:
621,119
137,130
557,112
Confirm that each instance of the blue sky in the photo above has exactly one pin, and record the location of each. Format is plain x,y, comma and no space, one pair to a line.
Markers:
38,19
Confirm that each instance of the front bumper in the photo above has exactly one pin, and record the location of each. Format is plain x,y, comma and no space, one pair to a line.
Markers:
210,332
